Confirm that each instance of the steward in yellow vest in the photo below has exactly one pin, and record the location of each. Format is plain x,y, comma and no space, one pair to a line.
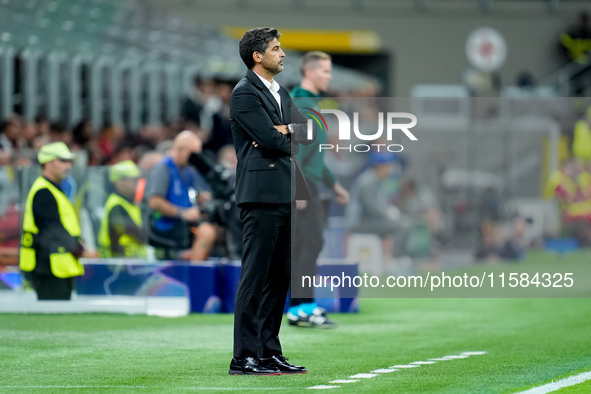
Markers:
50,243
121,233
570,197
582,138
584,181
561,187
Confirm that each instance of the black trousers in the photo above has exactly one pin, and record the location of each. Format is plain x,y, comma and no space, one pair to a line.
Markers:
264,280
307,246
49,287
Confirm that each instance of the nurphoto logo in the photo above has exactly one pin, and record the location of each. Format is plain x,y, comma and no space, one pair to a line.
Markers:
344,129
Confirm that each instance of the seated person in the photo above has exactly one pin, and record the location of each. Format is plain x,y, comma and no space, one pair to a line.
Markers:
497,244
369,210
491,243
173,190
418,202
121,233
516,245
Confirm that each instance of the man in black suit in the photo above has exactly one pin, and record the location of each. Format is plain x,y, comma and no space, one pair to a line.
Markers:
267,129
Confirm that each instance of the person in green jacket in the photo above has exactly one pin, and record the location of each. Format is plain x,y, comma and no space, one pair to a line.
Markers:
316,70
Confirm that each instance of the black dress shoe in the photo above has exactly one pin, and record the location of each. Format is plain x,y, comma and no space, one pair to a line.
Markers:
251,366
280,362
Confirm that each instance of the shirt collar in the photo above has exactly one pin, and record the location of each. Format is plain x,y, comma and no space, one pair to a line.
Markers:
272,86
57,186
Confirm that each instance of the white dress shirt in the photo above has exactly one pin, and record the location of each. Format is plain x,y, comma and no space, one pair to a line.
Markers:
274,89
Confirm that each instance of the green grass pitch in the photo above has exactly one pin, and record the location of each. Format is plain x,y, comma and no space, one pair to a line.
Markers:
528,342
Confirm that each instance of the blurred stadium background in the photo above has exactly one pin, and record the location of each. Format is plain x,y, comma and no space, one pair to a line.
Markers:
499,88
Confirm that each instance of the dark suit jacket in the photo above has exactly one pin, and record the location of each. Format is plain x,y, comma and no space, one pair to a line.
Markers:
271,174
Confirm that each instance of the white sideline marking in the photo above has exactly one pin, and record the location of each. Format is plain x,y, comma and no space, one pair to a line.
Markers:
323,387
139,387
404,366
570,381
364,376
414,364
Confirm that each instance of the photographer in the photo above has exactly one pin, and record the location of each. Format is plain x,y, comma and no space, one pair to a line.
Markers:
172,190
222,210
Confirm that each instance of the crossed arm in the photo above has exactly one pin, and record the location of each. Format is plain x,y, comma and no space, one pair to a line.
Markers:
253,118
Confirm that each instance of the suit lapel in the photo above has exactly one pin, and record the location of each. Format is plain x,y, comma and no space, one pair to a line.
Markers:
258,83
272,99
285,105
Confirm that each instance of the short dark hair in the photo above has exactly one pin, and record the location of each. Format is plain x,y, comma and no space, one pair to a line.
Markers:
256,40
4,125
58,127
11,120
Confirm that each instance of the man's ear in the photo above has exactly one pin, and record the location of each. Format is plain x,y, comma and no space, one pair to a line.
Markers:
257,57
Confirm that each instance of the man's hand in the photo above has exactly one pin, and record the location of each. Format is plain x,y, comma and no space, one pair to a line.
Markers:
4,158
282,129
81,250
204,197
90,254
341,195
190,214
301,204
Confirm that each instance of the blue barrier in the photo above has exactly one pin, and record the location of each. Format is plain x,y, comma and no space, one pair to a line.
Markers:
201,281
561,245
343,299
210,286
170,279
228,277
10,280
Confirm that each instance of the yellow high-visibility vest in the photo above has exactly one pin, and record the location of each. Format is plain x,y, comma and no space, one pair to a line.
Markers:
582,141
558,178
584,181
132,247
571,208
63,263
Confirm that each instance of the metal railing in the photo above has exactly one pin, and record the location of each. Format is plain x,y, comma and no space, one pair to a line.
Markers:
564,81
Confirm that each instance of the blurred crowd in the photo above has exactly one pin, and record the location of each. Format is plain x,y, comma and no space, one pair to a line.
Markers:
205,112
570,186
385,201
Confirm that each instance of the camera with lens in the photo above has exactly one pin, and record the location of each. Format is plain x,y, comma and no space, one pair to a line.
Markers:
219,209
